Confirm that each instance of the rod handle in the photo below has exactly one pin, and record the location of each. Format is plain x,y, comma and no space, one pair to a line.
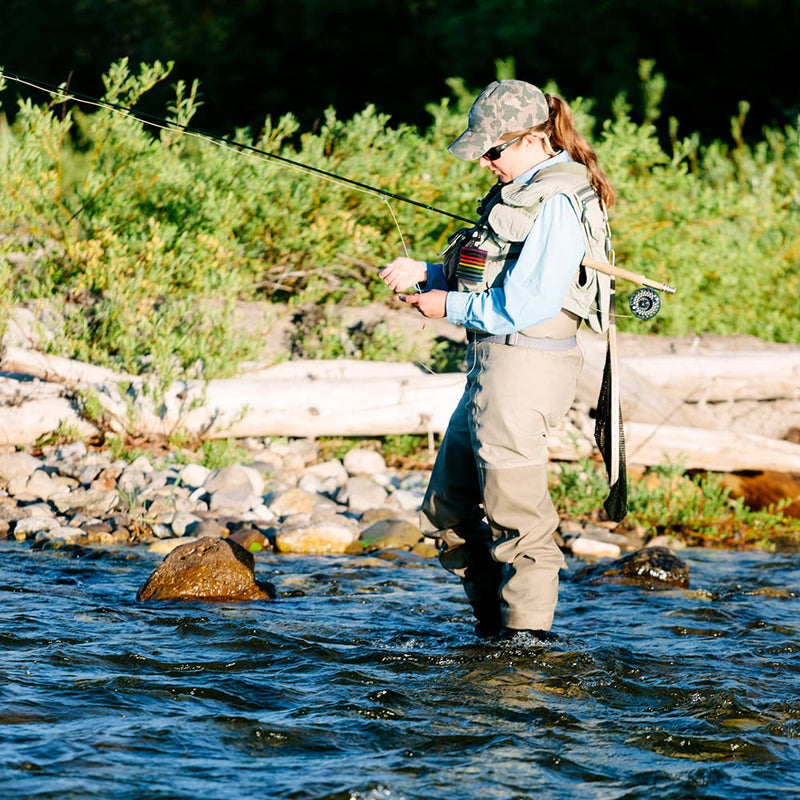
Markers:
619,272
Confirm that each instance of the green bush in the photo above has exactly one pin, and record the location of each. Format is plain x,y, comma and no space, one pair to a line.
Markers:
146,239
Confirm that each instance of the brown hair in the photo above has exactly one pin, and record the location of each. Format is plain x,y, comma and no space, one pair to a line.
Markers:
560,130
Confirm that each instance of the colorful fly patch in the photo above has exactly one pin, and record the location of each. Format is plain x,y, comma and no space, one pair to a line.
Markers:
471,261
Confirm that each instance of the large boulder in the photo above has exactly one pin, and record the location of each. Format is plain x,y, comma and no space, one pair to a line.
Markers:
206,569
650,568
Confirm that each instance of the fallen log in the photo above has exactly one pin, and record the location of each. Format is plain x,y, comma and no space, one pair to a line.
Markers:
297,399
713,450
682,388
326,398
715,377
31,410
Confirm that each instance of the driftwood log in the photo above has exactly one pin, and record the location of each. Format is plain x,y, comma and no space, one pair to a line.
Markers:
664,418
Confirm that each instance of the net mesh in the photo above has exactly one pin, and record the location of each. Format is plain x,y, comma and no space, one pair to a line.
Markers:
610,438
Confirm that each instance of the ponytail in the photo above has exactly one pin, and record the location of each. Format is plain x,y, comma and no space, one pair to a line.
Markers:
560,130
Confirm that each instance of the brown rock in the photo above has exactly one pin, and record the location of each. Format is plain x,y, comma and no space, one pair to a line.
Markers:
426,548
650,568
765,488
333,535
10,511
292,501
210,527
107,479
207,569
394,533
372,515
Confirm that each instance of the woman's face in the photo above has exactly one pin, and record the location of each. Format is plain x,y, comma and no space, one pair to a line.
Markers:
522,154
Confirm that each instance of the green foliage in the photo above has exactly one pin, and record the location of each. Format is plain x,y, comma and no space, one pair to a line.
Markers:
121,450
446,356
90,405
146,239
65,433
720,223
579,489
320,332
407,445
331,447
411,445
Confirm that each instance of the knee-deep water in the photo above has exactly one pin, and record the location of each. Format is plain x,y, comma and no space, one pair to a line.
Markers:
364,680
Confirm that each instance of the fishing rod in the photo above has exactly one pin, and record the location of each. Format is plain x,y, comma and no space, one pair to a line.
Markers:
165,124
645,303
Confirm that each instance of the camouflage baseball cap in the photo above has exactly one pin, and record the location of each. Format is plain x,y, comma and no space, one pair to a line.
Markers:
502,107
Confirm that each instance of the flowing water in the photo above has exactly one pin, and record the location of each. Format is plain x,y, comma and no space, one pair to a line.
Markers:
364,680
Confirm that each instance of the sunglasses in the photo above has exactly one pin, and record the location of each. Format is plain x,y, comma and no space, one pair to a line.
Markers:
493,153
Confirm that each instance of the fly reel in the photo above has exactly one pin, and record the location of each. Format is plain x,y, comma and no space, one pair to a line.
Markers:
645,303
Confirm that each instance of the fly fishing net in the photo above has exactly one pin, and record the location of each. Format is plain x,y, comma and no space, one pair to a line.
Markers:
608,431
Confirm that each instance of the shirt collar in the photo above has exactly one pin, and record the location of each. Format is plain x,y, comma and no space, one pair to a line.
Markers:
558,158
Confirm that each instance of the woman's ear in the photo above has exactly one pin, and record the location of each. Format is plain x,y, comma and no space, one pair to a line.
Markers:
544,139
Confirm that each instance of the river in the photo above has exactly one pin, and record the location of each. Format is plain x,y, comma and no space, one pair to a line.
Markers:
363,680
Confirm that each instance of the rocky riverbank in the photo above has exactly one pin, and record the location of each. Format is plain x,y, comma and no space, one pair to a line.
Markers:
281,498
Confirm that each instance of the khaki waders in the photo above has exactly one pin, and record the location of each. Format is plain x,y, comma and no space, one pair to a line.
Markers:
488,500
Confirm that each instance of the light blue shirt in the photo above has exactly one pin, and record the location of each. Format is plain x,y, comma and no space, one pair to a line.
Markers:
534,288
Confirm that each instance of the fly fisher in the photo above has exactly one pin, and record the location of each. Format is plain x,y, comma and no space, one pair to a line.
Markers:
515,281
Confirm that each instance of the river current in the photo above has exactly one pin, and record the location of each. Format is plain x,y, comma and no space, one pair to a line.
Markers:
364,680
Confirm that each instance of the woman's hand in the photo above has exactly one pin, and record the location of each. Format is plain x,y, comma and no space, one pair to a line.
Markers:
429,304
404,272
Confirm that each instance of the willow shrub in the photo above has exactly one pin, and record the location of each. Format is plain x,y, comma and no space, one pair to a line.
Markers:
145,239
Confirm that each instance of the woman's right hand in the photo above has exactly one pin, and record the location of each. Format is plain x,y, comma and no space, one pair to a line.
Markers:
403,273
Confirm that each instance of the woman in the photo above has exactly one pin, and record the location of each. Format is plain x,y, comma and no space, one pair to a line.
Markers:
516,283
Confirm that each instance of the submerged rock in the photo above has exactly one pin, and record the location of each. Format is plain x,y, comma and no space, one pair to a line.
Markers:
207,569
251,539
650,567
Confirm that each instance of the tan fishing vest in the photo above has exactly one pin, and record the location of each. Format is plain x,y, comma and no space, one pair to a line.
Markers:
478,258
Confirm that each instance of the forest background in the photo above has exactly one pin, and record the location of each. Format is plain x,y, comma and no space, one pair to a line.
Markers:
258,57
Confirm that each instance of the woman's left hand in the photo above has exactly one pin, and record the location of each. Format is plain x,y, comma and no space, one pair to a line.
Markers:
430,304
